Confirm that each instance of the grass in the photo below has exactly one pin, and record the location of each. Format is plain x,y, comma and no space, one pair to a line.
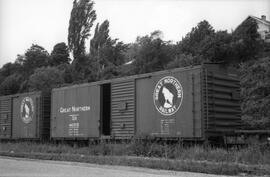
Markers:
254,159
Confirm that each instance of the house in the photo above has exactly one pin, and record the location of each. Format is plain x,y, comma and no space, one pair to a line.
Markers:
263,27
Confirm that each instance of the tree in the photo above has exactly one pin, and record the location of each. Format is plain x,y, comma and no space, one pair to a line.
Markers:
191,42
14,76
106,53
81,20
106,50
9,69
68,72
45,79
99,43
217,47
10,77
35,57
247,30
246,41
11,84
101,37
152,54
59,54
81,68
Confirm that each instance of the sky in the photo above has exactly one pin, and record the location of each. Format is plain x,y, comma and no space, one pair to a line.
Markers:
45,22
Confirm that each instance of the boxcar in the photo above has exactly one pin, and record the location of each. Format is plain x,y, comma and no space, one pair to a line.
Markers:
198,103
25,116
193,103
76,112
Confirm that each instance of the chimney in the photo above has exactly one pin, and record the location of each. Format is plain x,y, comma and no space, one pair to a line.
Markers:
263,17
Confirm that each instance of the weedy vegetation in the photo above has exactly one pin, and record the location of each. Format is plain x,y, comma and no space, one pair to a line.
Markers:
253,159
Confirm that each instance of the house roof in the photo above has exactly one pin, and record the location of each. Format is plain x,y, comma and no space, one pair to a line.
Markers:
266,22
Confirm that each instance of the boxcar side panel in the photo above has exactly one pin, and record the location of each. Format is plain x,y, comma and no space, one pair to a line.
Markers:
169,105
123,109
222,101
26,116
76,112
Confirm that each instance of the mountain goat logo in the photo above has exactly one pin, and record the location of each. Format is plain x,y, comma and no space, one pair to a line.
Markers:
168,95
27,110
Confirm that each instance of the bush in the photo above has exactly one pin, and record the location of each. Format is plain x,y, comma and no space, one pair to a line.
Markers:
11,84
253,154
255,92
45,79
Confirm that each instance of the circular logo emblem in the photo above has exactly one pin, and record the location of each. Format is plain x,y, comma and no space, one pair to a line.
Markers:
27,110
168,95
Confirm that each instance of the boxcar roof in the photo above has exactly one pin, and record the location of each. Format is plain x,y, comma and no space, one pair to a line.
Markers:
20,94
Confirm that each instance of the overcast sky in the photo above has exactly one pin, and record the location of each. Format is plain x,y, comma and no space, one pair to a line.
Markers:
45,22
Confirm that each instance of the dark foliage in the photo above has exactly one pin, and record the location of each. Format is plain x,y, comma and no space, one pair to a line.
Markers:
184,61
216,47
106,53
151,54
81,20
45,79
255,90
11,84
246,41
35,57
60,55
192,41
